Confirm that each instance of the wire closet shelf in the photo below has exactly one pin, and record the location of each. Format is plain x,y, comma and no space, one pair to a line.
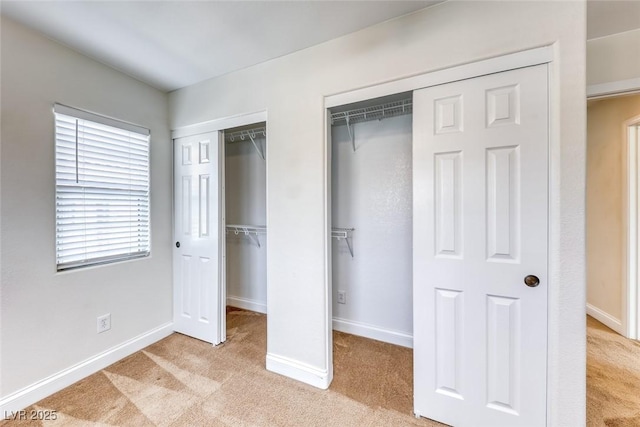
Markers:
251,231
248,135
374,112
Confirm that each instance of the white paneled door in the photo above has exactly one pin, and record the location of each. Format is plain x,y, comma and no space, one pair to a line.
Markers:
197,237
480,185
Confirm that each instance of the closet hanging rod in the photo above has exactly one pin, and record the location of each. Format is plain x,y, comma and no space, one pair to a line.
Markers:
246,134
374,112
344,234
241,228
251,231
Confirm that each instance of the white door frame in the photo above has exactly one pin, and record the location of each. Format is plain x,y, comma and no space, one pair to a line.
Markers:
631,298
612,89
219,125
526,58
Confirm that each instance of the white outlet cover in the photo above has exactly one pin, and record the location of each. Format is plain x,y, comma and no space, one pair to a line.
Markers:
104,323
342,297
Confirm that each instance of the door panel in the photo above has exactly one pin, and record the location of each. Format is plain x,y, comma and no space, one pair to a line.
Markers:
480,182
197,286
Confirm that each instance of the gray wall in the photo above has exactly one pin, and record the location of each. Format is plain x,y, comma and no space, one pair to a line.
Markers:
48,319
371,192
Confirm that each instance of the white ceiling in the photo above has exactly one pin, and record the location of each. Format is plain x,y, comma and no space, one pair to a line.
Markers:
172,44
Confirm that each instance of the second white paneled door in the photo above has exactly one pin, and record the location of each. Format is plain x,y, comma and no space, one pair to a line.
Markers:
197,237
480,249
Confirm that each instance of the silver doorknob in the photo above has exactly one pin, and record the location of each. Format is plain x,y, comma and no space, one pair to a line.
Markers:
531,281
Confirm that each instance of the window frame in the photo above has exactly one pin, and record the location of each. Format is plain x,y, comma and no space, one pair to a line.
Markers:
94,118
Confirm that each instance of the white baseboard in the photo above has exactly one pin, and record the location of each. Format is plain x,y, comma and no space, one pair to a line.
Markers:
298,371
247,304
56,382
605,318
374,332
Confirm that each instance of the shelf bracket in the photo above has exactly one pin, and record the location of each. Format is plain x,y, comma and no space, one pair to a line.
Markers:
348,240
255,239
350,130
260,153
343,234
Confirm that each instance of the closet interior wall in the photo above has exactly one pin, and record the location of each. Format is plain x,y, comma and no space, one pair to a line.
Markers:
371,192
245,204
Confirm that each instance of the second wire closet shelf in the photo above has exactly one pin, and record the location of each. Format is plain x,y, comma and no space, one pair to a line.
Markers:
345,234
251,231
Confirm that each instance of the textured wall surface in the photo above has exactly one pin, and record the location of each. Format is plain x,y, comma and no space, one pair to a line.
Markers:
371,192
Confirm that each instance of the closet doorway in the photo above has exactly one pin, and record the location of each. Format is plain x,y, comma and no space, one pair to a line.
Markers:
219,204
371,218
613,175
245,198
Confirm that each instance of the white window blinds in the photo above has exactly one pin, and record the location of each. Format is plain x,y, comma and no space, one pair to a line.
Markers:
102,189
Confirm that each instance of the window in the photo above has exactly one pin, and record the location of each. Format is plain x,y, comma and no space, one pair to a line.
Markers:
102,189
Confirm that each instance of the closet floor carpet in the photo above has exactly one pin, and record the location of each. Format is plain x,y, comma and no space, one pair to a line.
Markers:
181,381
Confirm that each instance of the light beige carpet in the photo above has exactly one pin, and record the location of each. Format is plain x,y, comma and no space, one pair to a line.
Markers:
613,378
180,381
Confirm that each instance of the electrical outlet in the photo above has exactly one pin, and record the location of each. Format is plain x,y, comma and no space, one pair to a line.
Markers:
342,297
104,323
